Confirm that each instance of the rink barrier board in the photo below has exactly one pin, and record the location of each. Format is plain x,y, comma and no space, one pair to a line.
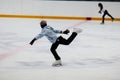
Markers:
55,17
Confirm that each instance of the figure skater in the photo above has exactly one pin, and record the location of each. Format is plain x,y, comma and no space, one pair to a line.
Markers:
105,12
50,33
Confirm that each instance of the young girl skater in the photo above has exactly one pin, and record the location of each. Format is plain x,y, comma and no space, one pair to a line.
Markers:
105,12
50,33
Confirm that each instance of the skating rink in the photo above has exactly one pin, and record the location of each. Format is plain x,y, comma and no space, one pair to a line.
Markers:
93,55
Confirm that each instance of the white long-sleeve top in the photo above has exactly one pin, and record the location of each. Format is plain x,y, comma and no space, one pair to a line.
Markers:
48,32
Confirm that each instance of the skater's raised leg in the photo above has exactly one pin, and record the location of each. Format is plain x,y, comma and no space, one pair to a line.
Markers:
110,16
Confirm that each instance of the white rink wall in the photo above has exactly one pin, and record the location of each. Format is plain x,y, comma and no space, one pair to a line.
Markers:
57,8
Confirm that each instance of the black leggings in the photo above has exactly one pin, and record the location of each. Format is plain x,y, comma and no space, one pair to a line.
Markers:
63,41
106,13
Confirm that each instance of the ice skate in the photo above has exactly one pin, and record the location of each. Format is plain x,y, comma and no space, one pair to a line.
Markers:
77,30
102,23
113,19
57,63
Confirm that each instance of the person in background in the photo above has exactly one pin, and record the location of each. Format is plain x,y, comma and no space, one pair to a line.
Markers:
105,12
51,35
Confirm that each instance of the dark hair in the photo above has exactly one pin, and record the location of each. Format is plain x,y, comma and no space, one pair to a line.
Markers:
43,23
100,4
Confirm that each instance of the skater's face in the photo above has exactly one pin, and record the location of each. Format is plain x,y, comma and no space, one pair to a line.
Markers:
43,23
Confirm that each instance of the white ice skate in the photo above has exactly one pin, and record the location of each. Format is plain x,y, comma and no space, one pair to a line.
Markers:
77,30
57,63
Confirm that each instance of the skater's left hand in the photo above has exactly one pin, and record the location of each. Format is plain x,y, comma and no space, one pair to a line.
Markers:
66,31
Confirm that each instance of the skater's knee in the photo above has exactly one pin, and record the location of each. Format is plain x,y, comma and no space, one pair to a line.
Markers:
52,49
67,43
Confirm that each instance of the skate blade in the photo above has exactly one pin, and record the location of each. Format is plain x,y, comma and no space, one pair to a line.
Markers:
57,65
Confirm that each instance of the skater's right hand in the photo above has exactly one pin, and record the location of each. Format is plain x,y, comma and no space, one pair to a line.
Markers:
31,43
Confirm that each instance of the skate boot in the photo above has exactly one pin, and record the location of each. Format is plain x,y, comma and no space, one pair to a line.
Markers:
113,19
77,30
102,23
57,63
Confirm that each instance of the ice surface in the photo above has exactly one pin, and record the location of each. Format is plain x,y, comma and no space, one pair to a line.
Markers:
93,55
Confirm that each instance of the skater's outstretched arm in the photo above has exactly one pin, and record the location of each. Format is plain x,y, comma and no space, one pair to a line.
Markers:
63,32
37,37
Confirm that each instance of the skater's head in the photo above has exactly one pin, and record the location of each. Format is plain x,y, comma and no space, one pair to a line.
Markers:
100,4
43,23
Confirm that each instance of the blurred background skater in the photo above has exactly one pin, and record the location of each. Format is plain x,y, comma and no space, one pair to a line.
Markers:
50,33
105,12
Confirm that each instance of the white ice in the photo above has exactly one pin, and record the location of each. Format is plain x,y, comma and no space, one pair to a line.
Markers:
93,55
